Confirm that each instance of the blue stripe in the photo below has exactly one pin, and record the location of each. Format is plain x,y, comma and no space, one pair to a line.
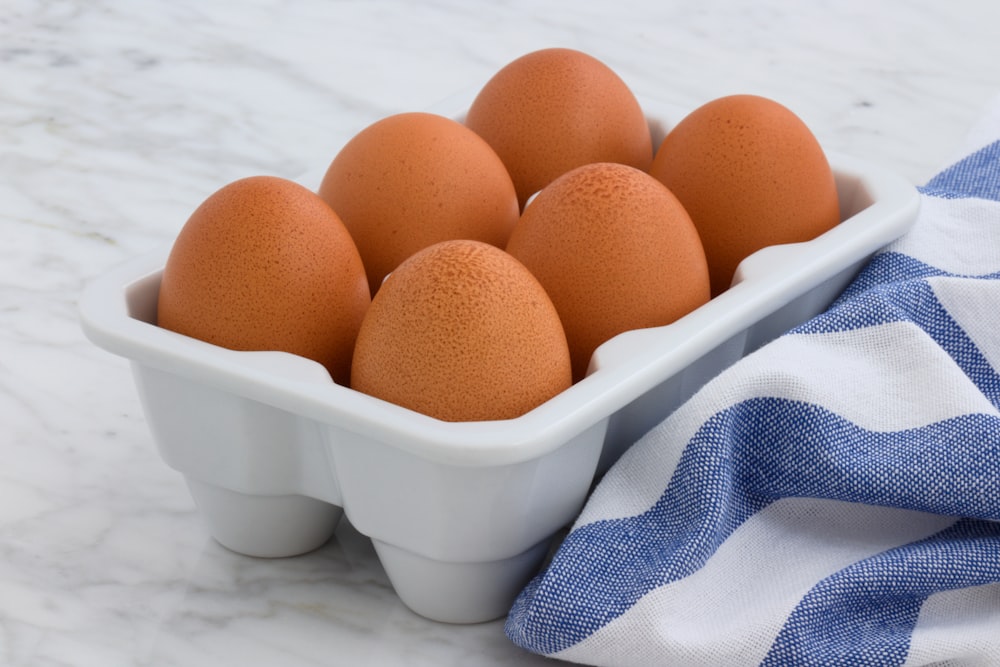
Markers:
912,300
885,269
978,175
890,269
865,614
739,461
940,194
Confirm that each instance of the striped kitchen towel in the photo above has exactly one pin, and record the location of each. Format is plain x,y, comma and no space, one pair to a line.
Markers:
832,498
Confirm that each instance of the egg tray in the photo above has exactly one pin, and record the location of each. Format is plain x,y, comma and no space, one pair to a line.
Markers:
461,515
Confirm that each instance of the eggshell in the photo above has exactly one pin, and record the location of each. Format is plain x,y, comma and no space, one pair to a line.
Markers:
413,179
751,174
555,109
615,251
265,264
461,331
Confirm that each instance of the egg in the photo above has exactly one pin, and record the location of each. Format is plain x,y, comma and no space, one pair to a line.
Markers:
555,109
751,174
413,179
461,331
614,250
265,264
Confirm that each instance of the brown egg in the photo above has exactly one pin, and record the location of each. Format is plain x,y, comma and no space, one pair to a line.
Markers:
461,331
413,179
750,174
265,264
556,109
615,251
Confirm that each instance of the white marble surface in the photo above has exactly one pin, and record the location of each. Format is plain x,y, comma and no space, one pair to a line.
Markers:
117,118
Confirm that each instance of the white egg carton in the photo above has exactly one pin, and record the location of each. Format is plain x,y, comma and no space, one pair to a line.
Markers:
461,514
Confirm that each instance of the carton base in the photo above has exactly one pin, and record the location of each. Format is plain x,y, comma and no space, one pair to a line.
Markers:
264,526
458,592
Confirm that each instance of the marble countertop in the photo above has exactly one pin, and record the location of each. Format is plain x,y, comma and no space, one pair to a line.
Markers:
118,118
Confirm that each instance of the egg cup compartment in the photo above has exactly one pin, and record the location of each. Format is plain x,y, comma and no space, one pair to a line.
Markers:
460,514
259,475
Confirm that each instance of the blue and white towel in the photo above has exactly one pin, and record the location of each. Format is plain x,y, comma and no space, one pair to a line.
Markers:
831,499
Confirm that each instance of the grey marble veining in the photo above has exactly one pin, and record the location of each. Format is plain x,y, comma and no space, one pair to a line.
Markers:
118,118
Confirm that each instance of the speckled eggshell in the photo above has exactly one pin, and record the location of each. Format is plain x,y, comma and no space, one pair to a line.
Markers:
461,331
555,109
265,264
413,179
751,174
614,250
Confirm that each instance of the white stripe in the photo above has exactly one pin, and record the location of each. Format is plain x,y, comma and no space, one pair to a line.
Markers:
731,610
958,628
975,306
884,378
959,236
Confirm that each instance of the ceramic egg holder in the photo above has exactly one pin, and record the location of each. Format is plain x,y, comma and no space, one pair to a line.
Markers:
461,515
